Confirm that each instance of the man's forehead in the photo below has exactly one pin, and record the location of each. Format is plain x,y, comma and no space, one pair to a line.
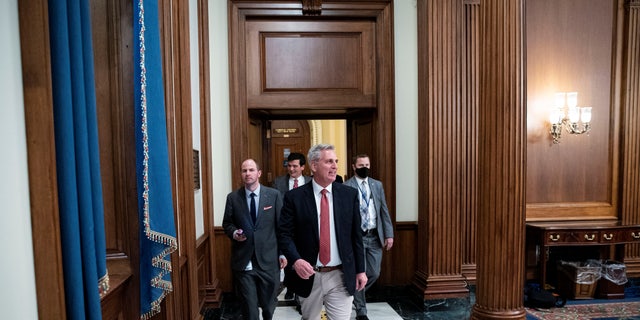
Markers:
248,165
328,154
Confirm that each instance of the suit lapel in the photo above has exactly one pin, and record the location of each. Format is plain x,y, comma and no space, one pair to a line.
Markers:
243,200
338,208
265,198
310,207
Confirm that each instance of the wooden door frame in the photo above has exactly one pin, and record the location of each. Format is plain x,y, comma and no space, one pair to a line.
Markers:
383,139
43,188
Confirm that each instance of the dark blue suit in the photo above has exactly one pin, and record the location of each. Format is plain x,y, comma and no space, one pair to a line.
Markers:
299,239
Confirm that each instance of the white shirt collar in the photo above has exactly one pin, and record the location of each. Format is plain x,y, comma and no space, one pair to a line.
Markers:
317,188
256,191
360,180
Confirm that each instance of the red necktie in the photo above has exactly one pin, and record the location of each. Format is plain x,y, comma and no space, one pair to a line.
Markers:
295,183
325,234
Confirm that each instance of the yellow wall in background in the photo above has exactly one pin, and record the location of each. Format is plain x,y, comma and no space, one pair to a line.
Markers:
332,132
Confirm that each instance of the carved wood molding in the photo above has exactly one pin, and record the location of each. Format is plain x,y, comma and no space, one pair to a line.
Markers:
632,267
633,4
311,7
469,272
440,287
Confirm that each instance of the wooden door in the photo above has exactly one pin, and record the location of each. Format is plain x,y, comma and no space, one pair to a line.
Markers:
286,136
360,130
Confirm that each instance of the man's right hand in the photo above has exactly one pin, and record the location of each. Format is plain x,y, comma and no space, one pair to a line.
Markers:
238,235
303,269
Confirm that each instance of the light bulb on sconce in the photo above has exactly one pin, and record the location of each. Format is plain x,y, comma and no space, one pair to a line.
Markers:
566,113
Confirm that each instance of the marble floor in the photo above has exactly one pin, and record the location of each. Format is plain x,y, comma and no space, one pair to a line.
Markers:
383,303
392,303
376,310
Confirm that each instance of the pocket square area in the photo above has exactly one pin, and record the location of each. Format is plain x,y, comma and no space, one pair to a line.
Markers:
267,208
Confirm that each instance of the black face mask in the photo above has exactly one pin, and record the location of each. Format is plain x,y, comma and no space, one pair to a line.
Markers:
362,172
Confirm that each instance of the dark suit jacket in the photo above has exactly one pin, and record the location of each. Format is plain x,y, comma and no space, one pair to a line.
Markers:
282,182
298,234
383,218
261,238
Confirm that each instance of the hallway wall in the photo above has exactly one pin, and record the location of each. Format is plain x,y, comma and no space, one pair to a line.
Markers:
18,291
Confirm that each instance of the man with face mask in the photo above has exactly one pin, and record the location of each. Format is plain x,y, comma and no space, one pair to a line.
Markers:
377,228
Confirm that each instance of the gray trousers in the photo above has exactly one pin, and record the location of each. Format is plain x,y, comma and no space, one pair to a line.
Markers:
258,288
373,259
328,290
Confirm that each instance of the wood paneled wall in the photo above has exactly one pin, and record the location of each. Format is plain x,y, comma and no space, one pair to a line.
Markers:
223,260
577,178
399,265
209,293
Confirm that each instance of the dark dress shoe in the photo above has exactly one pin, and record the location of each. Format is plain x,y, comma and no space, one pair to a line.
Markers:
362,318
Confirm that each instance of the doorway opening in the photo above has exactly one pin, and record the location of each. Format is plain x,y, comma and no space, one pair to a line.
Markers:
279,138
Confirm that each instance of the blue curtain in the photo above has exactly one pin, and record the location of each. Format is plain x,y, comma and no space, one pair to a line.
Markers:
155,202
77,159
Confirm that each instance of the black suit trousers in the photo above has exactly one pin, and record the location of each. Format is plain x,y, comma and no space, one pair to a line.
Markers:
257,288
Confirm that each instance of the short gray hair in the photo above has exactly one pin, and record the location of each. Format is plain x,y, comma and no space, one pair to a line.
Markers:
316,150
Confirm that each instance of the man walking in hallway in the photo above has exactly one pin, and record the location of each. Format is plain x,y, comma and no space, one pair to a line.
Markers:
376,225
320,234
293,179
250,219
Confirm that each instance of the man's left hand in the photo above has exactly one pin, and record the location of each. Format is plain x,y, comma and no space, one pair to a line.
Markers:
388,243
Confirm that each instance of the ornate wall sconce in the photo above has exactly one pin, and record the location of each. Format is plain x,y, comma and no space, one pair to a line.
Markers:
566,114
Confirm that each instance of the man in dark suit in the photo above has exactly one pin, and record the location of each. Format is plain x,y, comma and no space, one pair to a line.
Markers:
376,225
319,232
250,219
293,178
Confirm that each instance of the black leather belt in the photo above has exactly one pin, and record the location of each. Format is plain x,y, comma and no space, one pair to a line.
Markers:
327,268
370,232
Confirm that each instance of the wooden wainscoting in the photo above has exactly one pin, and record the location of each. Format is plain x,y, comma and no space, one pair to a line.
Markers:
209,294
223,258
399,264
